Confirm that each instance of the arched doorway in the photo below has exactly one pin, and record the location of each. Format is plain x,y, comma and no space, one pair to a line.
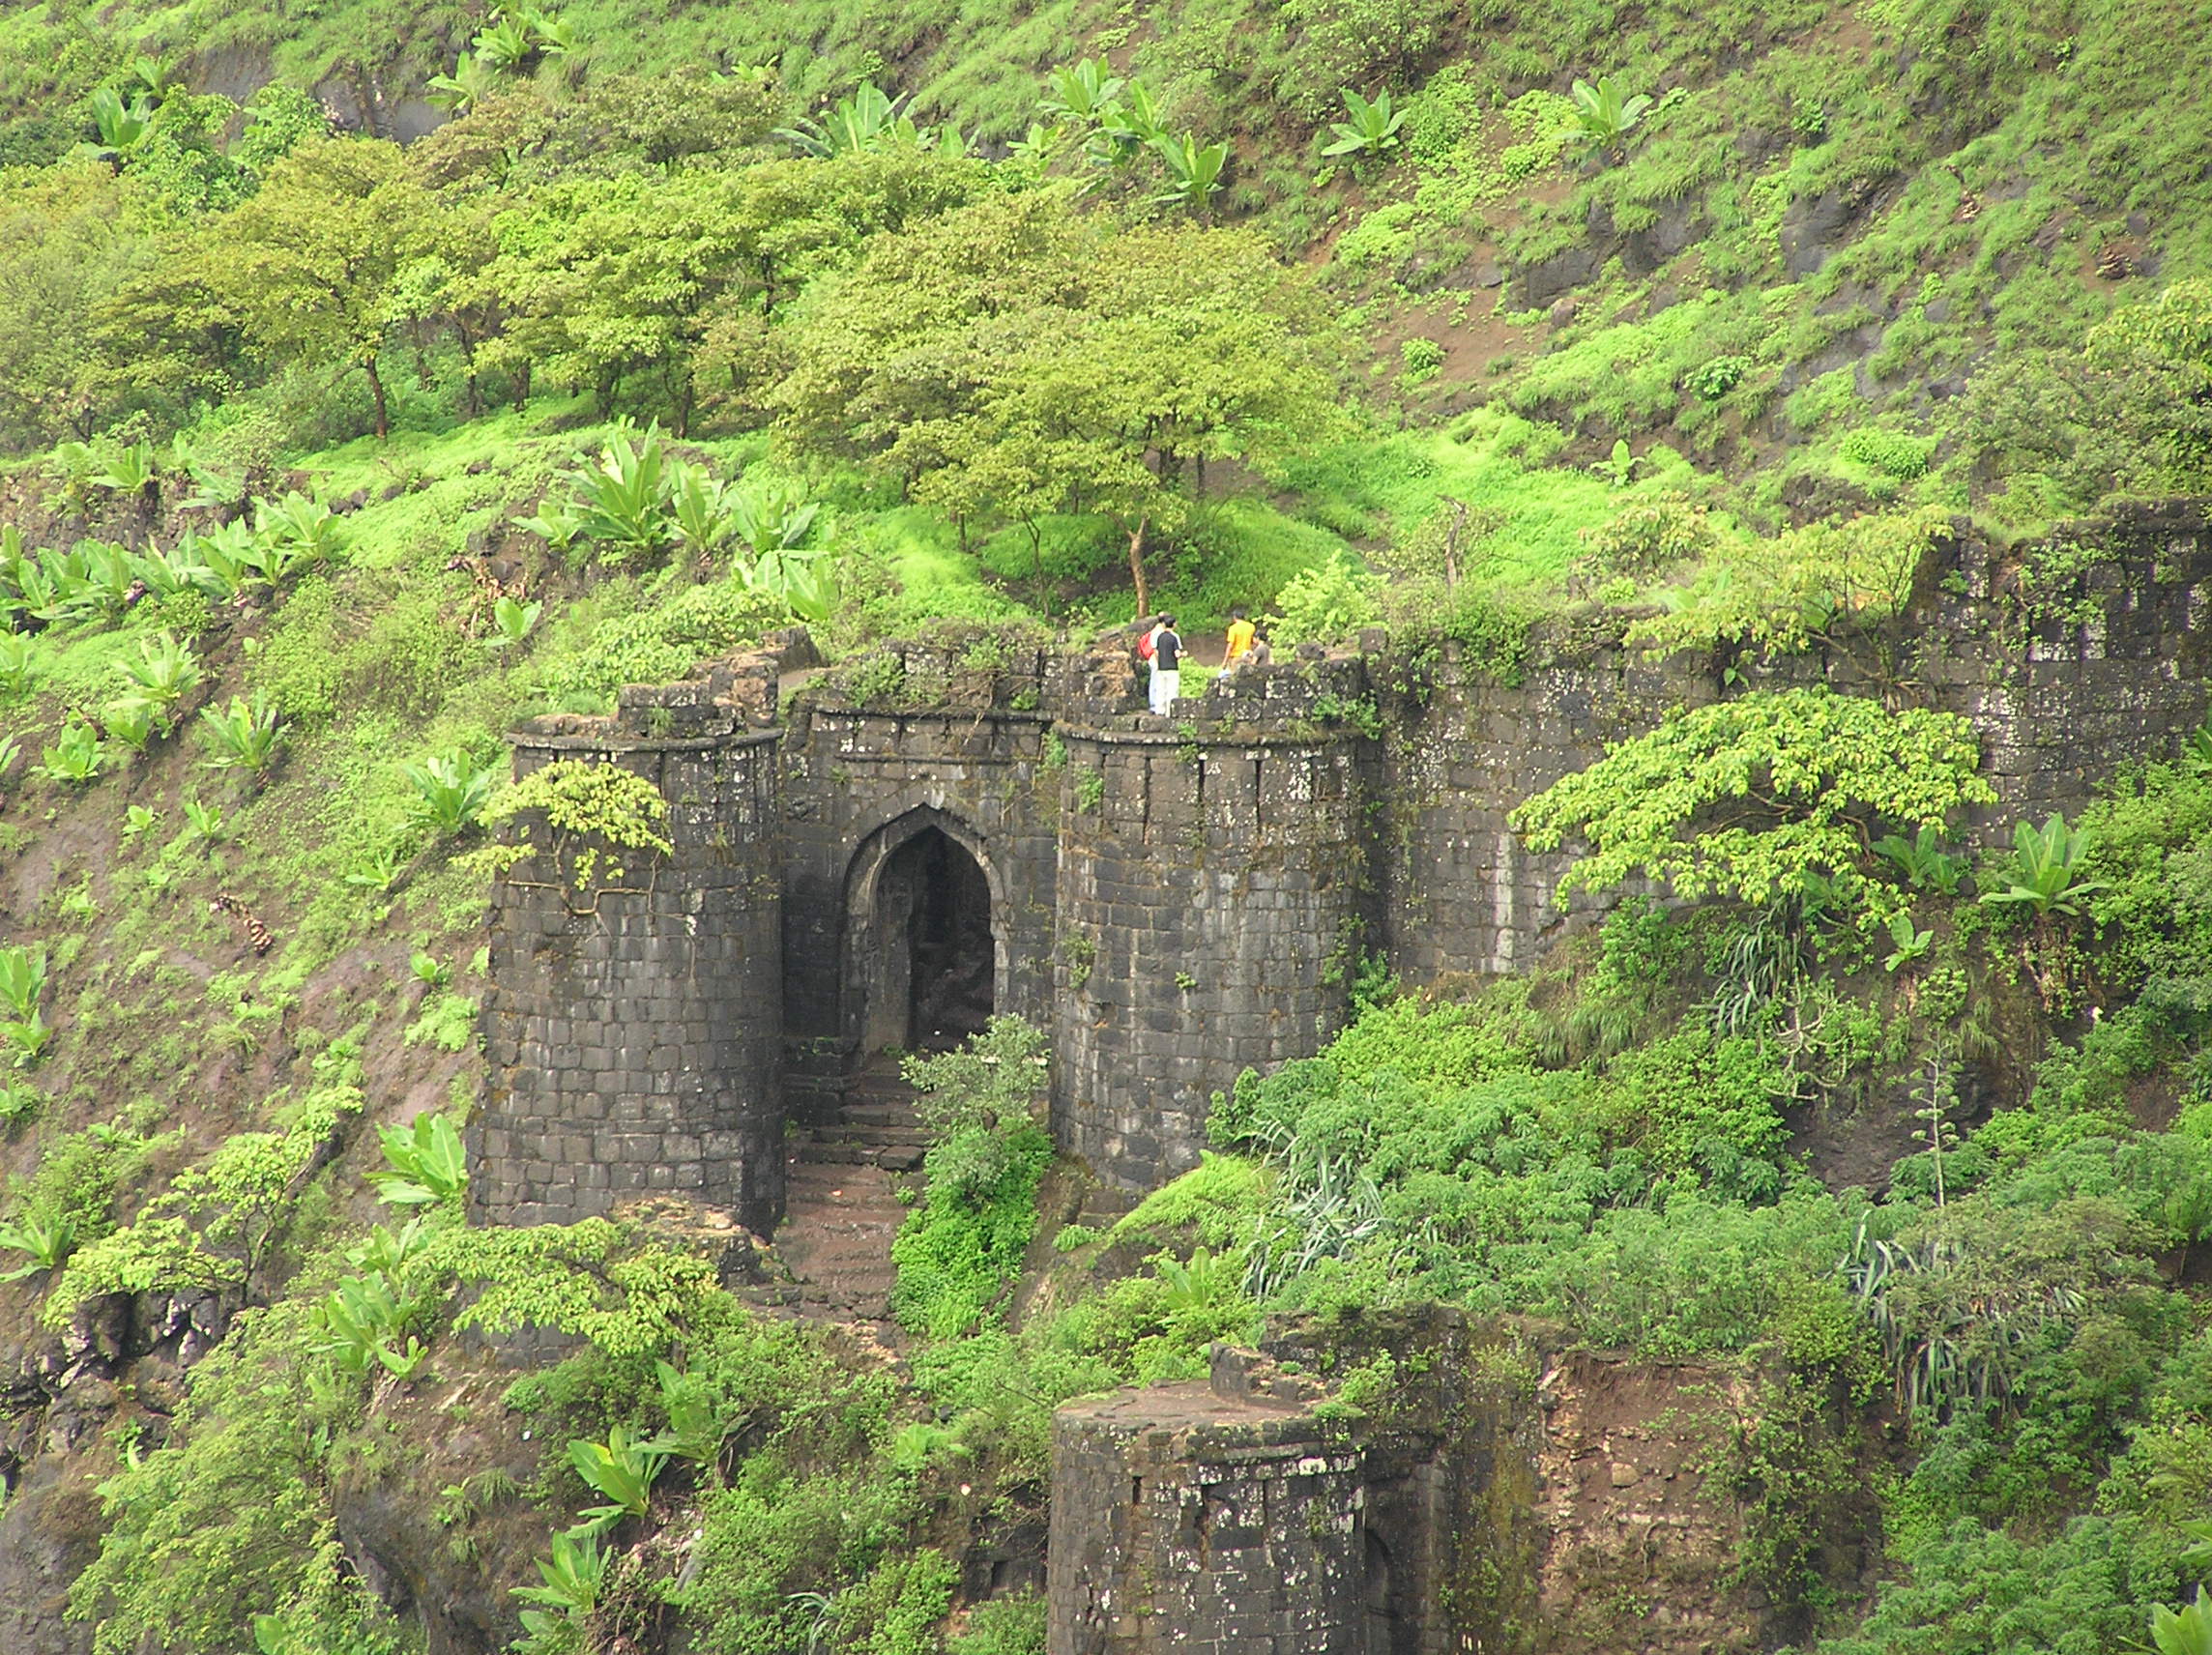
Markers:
928,964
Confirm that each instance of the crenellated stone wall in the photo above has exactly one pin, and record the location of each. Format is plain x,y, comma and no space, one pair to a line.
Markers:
1176,899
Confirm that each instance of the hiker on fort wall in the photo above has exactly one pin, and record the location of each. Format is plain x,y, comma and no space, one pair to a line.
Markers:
1166,656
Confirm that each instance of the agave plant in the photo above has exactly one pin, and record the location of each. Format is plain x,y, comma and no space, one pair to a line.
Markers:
1923,861
513,621
554,35
622,501
770,517
169,573
574,1576
2046,869
19,658
129,469
45,1243
123,128
1126,126
1370,130
620,1470
2186,1631
229,555
22,977
452,791
164,671
241,737
863,121
1084,91
294,531
706,512
131,720
1194,169
463,90
1603,115
803,582
506,44
75,756
426,1163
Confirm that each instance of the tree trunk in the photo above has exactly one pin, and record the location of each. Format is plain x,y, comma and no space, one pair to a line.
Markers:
376,389
1137,566
1037,562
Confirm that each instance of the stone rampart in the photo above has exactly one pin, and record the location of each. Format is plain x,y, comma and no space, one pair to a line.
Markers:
1178,899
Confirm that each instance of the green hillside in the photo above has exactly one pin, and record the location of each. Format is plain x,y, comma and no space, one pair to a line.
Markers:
377,373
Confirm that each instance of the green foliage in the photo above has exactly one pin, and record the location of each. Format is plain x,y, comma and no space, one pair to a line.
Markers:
1757,797
1325,605
1011,1625
2186,1631
959,1251
426,1164
244,735
1923,861
573,1579
622,499
620,1471
45,1244
75,757
2046,869
595,813
1373,128
453,791
1603,115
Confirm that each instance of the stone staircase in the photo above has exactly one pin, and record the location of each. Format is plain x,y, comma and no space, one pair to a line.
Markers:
876,1125
842,1205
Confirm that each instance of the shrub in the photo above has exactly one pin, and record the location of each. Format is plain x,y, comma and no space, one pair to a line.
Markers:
1889,453
1715,378
241,737
452,791
1757,798
1325,605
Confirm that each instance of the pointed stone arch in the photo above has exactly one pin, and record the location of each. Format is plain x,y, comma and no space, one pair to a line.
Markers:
925,919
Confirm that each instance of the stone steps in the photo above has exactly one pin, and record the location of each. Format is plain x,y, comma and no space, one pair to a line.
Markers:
842,1205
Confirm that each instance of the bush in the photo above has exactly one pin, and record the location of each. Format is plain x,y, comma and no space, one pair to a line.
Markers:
1325,605
1890,452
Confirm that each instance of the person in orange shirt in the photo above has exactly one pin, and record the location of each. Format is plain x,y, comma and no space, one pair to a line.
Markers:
1240,634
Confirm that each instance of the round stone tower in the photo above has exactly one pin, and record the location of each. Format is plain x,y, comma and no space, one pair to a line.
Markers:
1185,1520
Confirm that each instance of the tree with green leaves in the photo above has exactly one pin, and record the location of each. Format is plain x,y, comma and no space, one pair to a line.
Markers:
69,237
1758,799
306,270
1017,357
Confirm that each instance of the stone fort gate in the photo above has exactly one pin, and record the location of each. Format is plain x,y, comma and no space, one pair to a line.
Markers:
1003,830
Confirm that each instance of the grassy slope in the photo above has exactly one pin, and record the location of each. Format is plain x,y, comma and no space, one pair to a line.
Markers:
2062,125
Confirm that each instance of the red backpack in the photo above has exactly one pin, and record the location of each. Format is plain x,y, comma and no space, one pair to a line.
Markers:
1144,645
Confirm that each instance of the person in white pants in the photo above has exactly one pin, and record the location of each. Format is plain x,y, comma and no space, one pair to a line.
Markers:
1167,666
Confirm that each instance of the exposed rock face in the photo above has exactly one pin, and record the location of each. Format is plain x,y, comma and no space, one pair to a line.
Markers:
1175,901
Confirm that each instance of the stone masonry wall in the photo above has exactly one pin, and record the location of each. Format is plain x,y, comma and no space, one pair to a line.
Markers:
856,784
1212,903
1179,899
2067,665
634,1033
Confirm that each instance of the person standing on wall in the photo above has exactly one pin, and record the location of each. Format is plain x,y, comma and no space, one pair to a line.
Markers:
1241,632
1167,665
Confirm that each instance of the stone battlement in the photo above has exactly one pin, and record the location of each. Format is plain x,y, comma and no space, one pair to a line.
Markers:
981,822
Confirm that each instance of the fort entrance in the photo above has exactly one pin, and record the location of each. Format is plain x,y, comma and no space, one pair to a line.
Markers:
936,974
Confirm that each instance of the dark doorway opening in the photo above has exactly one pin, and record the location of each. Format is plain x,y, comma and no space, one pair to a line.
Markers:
937,907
